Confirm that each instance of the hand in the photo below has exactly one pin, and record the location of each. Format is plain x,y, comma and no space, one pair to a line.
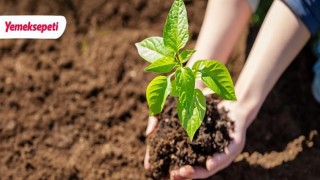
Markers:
152,124
218,161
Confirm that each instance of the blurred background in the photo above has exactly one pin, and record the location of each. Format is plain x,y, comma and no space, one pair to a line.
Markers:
75,108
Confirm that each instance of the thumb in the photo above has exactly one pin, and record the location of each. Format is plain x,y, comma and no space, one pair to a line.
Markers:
152,124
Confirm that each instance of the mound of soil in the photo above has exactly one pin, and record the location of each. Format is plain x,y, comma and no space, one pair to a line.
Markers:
171,148
75,108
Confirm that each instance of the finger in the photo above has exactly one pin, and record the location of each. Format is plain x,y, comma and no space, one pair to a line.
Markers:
213,165
174,175
146,163
222,160
207,91
199,85
152,124
194,172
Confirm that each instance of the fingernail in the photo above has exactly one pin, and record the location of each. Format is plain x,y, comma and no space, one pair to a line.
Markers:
149,129
152,122
210,164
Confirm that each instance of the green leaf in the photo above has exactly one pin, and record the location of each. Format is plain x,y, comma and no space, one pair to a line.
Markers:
157,93
175,32
173,90
186,55
163,65
185,82
191,119
216,76
152,49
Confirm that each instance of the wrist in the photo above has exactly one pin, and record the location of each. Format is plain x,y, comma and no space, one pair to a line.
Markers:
248,109
200,54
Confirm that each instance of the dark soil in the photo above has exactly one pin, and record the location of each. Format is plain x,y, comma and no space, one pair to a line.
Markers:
171,148
75,108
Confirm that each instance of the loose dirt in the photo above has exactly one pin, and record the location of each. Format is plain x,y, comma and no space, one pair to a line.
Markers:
171,148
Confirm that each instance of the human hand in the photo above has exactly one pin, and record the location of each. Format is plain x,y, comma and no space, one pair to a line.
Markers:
218,161
152,124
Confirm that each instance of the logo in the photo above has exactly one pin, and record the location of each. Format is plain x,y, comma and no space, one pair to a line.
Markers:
32,27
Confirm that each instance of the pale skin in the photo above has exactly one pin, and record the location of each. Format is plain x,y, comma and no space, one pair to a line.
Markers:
280,39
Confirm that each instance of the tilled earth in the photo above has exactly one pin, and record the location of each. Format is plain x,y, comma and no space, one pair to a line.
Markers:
74,108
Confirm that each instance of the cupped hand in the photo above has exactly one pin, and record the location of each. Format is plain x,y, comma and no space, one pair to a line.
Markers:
218,161
152,124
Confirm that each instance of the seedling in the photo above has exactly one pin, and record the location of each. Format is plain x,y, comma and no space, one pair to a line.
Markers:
165,55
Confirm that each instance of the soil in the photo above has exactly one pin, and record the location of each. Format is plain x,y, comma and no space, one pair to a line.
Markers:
75,108
171,148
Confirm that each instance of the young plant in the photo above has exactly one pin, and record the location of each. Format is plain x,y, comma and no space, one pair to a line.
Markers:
165,56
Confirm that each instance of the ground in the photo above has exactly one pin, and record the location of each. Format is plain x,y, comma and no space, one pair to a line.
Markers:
75,108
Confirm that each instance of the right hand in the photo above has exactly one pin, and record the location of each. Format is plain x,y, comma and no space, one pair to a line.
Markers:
217,161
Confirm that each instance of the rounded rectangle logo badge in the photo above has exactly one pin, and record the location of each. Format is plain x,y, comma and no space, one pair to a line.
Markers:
32,27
